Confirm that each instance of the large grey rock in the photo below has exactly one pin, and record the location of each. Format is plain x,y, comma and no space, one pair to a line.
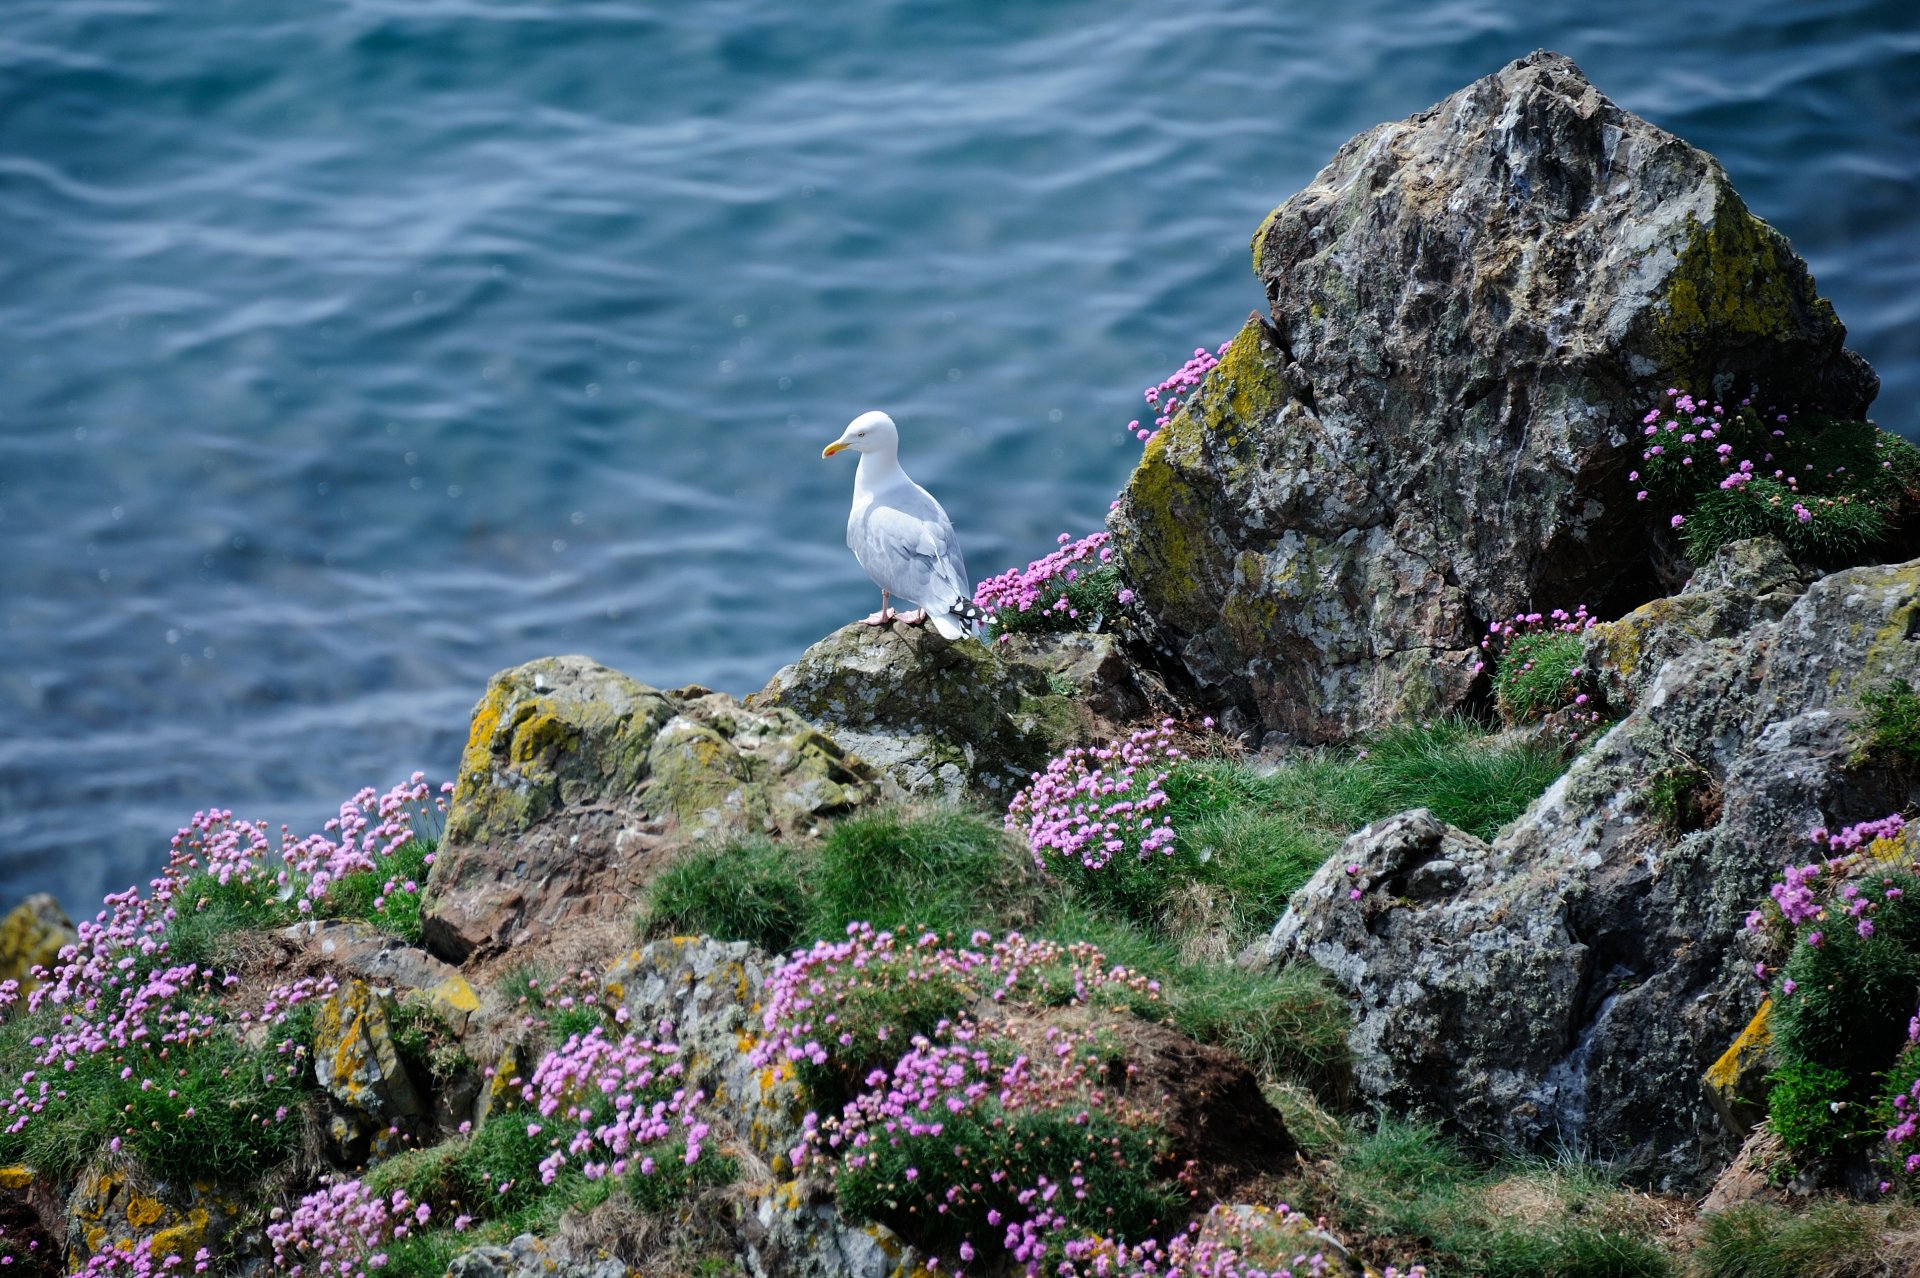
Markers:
578,781
1469,312
940,717
1572,982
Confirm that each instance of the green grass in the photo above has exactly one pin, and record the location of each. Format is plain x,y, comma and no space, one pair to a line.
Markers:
746,890
1892,720
209,917
1535,675
398,914
946,870
1760,1240
1807,1109
210,1106
941,869
1248,840
1412,1194
1854,994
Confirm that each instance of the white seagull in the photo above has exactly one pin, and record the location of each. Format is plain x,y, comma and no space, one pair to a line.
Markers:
901,536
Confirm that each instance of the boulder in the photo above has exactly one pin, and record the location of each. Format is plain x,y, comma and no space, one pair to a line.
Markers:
1571,984
388,964
940,717
1469,312
578,781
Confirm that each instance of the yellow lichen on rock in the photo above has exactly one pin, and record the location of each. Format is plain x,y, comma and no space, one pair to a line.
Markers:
31,935
1735,1084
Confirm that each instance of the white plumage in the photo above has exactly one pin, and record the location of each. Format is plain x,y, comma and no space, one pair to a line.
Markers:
901,536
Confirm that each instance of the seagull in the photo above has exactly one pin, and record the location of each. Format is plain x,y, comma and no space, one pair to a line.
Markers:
901,536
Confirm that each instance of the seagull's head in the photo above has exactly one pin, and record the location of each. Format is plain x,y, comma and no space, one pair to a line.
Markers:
867,433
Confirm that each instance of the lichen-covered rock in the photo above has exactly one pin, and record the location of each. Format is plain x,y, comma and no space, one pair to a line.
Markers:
1572,982
1745,583
33,1221
1736,1084
939,716
577,781
788,1232
709,992
121,1207
528,1256
355,1062
388,964
31,935
1469,312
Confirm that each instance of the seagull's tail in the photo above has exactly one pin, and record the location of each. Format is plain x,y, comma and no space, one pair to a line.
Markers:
958,621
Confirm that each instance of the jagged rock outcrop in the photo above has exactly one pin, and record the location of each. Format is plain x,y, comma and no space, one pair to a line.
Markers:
1469,312
941,717
358,1065
1745,583
577,780
1574,981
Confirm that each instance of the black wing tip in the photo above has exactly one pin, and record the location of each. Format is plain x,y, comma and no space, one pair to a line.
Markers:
967,610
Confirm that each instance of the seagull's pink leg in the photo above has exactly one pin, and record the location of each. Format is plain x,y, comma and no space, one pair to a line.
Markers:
914,618
882,617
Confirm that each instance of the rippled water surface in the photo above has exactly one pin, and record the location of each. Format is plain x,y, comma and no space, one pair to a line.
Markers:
350,352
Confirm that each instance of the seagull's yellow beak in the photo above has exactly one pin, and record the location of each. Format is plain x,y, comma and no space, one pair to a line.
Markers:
837,446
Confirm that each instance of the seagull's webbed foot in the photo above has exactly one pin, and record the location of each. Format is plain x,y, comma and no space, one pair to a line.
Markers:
917,617
880,618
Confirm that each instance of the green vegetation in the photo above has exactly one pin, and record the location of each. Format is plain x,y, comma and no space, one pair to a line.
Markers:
1892,721
1537,674
1247,840
1854,994
1807,1108
1681,797
1828,1240
1410,1192
1833,490
365,895
180,1108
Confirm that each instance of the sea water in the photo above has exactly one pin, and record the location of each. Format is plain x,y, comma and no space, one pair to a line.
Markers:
353,351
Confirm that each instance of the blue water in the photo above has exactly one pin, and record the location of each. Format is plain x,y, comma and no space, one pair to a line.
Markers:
350,352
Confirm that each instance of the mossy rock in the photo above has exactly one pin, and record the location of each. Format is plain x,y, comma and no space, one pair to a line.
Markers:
578,781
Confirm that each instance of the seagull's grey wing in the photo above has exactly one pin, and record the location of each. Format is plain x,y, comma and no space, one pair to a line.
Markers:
906,544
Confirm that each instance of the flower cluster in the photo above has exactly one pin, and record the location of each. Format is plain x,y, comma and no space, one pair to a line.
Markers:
129,1039
1536,666
1074,587
342,1229
1903,1105
1095,803
865,996
988,1147
1165,398
608,1101
594,1105
1820,484
1230,1242
1818,891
